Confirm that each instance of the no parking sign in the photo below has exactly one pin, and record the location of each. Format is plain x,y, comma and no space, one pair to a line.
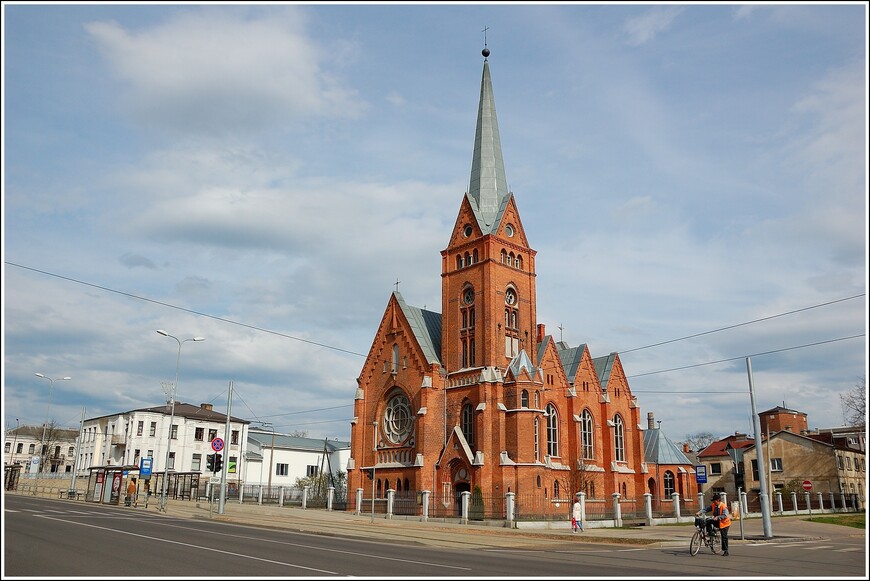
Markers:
217,444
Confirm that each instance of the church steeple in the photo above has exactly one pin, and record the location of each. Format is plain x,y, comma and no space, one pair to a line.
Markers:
487,189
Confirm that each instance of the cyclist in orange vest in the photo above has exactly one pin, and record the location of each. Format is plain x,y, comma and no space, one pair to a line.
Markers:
722,517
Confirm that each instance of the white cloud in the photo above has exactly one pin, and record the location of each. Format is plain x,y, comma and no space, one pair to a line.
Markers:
214,73
645,27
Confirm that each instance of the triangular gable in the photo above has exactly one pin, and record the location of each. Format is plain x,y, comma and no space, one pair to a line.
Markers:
422,332
521,366
549,358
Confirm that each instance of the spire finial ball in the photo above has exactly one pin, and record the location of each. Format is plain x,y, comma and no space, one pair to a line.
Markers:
485,52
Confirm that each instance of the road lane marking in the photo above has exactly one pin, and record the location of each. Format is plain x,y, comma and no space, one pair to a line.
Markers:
157,539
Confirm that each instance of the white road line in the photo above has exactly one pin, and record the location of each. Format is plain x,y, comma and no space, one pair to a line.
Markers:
157,539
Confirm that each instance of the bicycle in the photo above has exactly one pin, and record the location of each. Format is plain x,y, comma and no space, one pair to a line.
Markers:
706,534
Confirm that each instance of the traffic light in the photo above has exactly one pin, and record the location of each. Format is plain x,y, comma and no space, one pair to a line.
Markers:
370,472
218,462
209,462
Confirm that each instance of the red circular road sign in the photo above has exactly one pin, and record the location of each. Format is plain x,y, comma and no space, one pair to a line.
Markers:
217,444
808,485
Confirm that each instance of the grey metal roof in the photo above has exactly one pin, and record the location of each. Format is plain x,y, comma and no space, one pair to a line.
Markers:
487,189
522,360
426,326
264,439
571,357
658,449
603,367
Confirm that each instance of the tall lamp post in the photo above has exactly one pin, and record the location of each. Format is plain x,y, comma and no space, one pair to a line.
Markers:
269,426
171,415
14,443
48,411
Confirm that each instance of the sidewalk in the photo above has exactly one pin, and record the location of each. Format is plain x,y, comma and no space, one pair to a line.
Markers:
452,534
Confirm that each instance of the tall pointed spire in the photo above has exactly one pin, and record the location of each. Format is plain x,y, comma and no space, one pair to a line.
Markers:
488,186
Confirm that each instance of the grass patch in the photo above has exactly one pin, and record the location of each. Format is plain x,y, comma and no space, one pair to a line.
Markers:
858,521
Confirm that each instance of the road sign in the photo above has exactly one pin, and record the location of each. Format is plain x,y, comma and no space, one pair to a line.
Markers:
701,474
217,444
808,485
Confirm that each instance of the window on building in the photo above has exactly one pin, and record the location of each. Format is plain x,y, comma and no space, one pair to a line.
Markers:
153,430
172,460
395,360
196,463
537,445
848,463
755,470
212,434
19,448
587,435
552,431
174,432
282,469
311,470
556,489
7,447
670,483
150,454
139,427
199,434
71,451
398,419
136,454
524,399
776,464
32,449
619,438
715,468
840,462
234,437
467,423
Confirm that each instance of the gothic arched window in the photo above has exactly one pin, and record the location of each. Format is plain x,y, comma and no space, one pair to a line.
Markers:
467,423
587,436
619,438
552,431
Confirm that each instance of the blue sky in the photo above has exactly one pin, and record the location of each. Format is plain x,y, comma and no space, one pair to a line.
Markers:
261,176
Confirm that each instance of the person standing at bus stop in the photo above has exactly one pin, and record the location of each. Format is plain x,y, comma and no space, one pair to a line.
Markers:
131,493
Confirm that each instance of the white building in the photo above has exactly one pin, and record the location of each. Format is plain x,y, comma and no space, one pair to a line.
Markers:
125,438
291,458
24,443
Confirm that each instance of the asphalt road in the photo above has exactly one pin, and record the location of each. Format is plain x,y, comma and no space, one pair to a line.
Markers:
46,538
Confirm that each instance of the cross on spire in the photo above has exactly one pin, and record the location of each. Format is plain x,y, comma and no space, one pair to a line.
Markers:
397,284
485,28
560,327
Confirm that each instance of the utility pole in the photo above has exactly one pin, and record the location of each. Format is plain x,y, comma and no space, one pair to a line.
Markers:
72,483
223,497
759,454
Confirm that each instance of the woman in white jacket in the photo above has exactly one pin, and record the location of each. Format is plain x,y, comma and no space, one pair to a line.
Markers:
576,517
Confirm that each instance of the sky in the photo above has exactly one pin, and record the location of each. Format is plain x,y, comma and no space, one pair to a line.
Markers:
693,179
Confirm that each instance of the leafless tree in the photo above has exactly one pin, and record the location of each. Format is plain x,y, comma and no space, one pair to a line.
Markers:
854,403
699,440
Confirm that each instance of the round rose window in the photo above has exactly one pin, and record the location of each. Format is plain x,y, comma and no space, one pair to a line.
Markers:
398,419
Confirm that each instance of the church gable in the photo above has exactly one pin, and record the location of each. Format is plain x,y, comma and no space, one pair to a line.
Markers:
510,226
395,347
466,228
552,366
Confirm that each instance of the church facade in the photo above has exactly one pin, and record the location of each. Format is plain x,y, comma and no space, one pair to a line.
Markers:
479,397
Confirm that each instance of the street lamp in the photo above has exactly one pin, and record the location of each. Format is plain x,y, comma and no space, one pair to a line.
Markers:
269,426
48,409
374,463
14,443
171,414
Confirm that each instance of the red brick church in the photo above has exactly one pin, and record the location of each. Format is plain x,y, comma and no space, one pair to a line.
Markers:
479,397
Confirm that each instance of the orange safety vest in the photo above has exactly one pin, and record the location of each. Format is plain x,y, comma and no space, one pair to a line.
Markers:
720,507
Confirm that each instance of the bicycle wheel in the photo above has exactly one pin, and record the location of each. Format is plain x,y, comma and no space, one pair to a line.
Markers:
695,544
715,543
